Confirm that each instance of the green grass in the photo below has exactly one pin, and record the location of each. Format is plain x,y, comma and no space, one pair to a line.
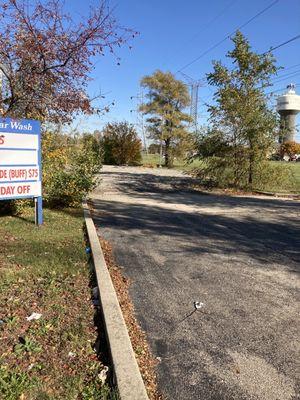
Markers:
296,172
152,160
45,270
291,185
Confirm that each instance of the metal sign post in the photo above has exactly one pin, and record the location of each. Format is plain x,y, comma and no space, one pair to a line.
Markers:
20,162
38,211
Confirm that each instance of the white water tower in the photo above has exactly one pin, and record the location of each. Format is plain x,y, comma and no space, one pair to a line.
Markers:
288,106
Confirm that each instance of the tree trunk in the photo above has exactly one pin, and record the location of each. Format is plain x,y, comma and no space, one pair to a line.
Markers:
168,158
250,176
250,172
235,162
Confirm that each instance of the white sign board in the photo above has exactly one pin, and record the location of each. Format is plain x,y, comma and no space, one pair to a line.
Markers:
20,159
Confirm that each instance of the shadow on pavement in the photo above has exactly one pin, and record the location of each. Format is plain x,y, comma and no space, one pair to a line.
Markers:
178,189
224,234
236,254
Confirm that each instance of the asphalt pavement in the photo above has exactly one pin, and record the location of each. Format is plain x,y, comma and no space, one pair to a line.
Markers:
238,255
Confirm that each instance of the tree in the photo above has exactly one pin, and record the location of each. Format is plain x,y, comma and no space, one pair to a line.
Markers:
120,144
46,58
167,98
289,148
240,114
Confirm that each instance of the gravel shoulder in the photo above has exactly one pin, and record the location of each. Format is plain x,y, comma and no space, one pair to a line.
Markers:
239,255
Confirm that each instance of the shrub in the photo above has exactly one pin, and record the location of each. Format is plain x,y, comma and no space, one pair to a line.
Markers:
69,168
217,172
120,144
226,164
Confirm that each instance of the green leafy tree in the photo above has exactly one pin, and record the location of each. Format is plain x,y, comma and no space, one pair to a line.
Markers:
120,144
167,99
243,127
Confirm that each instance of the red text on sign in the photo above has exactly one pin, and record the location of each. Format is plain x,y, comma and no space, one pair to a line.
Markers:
7,190
3,174
17,173
13,190
14,174
33,173
23,189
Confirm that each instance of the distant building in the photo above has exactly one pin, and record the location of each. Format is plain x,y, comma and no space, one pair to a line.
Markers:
288,106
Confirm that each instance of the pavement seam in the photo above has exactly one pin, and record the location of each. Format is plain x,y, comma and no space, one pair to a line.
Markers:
126,371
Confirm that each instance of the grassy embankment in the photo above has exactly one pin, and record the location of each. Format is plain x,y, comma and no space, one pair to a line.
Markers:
293,186
45,270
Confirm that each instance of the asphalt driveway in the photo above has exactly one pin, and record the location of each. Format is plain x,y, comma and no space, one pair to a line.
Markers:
237,255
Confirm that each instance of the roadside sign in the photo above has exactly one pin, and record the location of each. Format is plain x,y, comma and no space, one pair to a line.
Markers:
20,161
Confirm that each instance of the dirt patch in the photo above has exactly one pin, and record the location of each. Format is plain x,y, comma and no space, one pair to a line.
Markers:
138,339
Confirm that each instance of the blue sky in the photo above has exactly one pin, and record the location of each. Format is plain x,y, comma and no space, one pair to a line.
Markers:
173,32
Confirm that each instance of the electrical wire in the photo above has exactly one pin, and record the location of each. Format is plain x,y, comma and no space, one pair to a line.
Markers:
229,35
284,75
292,66
281,44
211,21
279,90
290,76
206,26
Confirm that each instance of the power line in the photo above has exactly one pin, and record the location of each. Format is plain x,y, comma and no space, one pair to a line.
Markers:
278,79
292,66
287,76
204,27
281,44
255,16
229,35
283,70
279,90
285,79
211,21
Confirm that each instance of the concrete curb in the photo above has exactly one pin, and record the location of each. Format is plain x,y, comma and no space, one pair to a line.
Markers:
127,374
282,195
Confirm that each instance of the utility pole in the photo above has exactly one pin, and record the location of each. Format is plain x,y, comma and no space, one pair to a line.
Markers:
140,117
194,104
194,90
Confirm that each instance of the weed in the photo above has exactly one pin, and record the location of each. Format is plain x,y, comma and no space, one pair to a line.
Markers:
139,351
93,391
48,274
26,345
41,328
13,384
11,321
